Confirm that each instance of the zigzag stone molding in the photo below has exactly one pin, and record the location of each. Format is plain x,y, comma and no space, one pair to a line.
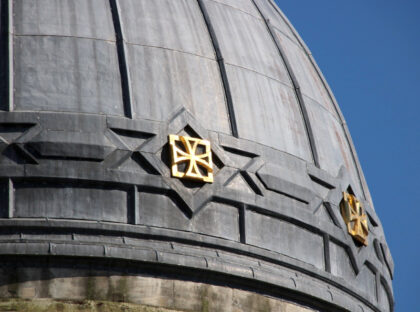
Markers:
260,208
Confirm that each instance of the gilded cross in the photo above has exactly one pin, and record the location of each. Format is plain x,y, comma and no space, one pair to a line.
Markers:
355,218
199,165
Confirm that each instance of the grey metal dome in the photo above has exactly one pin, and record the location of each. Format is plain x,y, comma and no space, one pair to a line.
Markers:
90,91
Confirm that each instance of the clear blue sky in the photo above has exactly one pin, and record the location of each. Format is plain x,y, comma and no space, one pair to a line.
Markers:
369,52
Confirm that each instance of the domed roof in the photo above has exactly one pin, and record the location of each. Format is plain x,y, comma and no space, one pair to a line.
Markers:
93,90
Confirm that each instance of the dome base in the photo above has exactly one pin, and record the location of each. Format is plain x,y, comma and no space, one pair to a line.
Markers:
69,289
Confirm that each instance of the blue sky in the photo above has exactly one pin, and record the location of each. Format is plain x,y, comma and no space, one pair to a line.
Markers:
369,52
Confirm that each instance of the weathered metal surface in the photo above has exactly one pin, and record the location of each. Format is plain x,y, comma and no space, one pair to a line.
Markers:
90,91
309,80
179,26
73,18
277,121
54,73
269,11
185,80
245,41
330,139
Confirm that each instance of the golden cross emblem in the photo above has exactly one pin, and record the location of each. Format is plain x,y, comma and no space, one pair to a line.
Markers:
191,158
355,218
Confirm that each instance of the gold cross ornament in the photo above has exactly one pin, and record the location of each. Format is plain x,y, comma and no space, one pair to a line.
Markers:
355,218
191,158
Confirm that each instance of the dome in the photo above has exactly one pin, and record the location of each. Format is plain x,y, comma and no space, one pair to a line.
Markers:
91,92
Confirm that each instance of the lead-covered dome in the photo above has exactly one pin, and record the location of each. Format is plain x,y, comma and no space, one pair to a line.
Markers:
90,92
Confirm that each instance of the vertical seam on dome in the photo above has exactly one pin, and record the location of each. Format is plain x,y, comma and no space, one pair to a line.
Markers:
222,68
356,161
10,56
327,256
242,223
122,60
296,86
6,51
132,203
388,291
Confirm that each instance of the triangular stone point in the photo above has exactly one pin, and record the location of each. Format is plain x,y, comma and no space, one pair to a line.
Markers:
238,183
